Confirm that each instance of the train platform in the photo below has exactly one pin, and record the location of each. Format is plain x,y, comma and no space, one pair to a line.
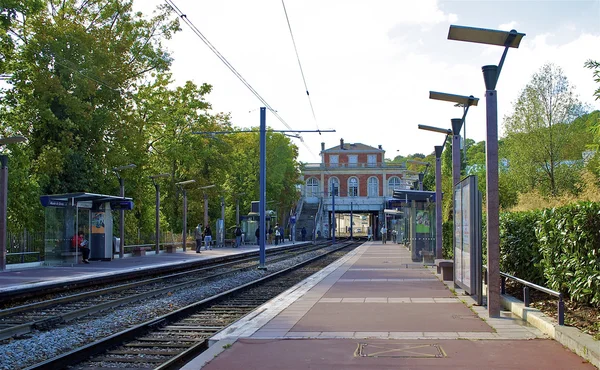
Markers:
14,281
376,309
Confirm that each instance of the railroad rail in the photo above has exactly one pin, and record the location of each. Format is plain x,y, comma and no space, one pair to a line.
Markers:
47,314
169,341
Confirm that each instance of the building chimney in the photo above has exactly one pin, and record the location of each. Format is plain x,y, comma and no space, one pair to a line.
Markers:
322,147
379,146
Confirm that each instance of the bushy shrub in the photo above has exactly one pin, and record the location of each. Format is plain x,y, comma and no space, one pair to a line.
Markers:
447,237
520,254
569,239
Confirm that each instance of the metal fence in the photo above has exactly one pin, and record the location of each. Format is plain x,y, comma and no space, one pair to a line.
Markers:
24,246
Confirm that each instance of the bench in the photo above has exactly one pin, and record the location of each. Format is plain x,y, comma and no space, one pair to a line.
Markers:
446,268
229,242
70,254
428,257
170,248
139,251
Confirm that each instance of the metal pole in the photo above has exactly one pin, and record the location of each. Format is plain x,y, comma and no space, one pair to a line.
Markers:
223,218
237,212
421,176
3,208
157,186
438,202
184,239
456,123
465,108
351,222
263,185
492,198
205,209
333,213
122,220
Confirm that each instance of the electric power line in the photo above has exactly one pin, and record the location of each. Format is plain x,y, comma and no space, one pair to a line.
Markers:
185,19
299,64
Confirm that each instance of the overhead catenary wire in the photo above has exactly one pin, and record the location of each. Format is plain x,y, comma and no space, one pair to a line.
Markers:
185,19
299,63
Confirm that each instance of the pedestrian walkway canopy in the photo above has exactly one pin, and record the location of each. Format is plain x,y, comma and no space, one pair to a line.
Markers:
68,214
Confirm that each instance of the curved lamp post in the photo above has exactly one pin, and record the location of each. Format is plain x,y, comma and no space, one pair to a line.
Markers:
180,185
157,226
4,196
117,171
490,75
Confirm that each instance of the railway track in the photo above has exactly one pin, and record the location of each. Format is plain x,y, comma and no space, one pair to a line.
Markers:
168,341
45,315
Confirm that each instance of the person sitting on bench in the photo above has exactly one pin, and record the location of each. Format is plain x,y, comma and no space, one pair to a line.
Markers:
80,242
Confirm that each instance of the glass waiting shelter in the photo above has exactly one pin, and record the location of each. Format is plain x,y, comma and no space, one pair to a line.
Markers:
68,214
414,221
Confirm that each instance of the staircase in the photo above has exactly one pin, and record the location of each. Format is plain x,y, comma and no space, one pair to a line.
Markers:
305,220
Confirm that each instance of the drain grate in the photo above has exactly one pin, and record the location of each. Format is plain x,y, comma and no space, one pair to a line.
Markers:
399,350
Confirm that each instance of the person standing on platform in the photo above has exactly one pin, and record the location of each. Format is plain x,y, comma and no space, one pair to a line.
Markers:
80,242
277,234
394,235
238,236
198,237
257,234
303,233
383,234
207,238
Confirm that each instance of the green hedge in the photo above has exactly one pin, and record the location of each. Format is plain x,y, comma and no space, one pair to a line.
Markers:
558,248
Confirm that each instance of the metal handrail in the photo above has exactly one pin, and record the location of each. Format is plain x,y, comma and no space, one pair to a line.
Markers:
527,301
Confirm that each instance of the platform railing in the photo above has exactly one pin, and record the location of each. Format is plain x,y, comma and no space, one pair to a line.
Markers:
526,297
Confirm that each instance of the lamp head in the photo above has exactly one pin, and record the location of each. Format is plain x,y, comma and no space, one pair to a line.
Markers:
131,165
445,131
453,98
12,140
181,183
207,186
485,36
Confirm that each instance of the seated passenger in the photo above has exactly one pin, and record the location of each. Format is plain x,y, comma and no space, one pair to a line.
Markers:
80,242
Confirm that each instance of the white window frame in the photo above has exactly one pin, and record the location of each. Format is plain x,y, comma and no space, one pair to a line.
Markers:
312,187
372,160
337,182
334,160
352,160
373,187
353,190
391,187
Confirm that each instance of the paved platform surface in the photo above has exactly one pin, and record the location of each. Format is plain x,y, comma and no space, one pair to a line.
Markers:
376,309
16,279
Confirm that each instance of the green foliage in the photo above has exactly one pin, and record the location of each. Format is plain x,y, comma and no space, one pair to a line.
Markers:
519,248
447,237
544,115
569,240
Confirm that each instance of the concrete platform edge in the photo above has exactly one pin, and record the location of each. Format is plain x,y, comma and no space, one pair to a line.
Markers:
205,357
572,338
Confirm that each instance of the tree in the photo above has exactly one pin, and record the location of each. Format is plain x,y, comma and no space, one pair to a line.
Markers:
539,131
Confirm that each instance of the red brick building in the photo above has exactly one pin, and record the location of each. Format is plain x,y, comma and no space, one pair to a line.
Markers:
361,179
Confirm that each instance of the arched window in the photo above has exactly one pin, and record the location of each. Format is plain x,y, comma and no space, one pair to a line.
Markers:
394,183
312,187
373,187
334,183
353,187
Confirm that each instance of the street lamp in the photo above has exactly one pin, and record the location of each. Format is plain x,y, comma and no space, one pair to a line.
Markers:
490,76
117,171
421,174
180,185
460,101
237,208
157,226
4,196
206,203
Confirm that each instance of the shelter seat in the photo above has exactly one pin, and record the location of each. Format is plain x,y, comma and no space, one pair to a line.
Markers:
428,256
140,251
446,268
170,248
70,254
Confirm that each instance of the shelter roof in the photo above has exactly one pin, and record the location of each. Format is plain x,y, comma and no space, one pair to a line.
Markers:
80,197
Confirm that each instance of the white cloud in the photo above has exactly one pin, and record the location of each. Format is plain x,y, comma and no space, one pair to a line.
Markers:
512,25
369,66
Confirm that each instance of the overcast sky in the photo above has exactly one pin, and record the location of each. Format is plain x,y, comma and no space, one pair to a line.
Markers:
370,64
